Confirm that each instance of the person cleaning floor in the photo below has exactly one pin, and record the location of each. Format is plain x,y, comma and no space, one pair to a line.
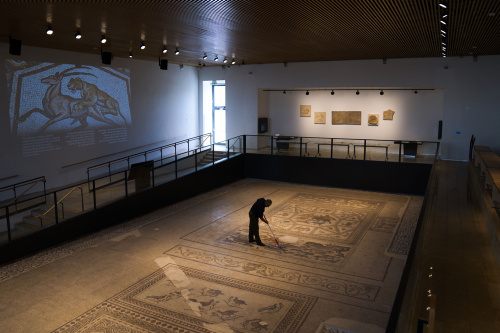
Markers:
256,213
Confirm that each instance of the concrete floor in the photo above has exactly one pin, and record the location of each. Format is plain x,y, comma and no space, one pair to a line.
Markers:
189,267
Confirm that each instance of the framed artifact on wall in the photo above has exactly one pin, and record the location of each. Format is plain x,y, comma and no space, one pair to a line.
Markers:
373,119
320,117
388,114
305,110
346,117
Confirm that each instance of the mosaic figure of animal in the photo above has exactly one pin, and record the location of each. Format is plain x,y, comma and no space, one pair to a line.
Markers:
211,292
227,315
235,302
94,97
57,106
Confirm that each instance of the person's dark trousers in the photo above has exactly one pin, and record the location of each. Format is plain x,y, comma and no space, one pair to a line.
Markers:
254,229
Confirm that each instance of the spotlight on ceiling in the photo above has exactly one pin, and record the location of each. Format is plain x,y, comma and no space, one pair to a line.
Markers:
205,56
143,46
332,93
164,49
284,91
130,55
216,58
233,62
357,92
78,35
103,39
225,60
381,92
443,4
307,92
415,92
49,30
177,51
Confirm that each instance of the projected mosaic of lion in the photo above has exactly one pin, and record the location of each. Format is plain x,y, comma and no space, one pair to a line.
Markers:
94,97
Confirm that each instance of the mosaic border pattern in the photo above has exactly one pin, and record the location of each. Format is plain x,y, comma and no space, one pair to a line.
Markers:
125,313
364,210
321,251
251,267
403,237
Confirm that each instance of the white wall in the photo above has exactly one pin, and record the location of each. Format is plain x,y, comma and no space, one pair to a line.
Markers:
416,115
466,98
163,104
166,105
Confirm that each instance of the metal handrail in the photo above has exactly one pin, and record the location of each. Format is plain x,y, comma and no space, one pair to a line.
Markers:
57,203
239,138
127,158
6,188
206,137
17,197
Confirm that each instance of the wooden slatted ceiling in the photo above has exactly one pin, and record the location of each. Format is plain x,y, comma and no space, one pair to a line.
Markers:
257,31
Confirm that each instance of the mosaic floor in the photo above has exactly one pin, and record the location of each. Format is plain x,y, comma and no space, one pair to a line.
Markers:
189,267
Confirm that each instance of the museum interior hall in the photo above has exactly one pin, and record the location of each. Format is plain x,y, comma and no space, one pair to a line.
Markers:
138,135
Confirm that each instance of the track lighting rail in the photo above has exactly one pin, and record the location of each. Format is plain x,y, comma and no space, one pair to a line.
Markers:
353,89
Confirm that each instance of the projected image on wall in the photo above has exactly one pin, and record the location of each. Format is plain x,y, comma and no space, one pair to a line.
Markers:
48,99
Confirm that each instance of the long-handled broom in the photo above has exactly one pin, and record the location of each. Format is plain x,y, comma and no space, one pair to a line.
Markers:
279,245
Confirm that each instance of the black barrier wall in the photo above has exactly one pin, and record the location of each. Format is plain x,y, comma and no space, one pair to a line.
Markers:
405,178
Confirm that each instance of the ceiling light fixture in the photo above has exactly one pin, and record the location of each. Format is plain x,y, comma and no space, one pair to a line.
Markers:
49,30
103,39
78,35
415,92
307,92
225,60
177,51
233,62
357,92
143,46
205,56
443,4
332,93
164,49
130,55
284,91
381,92
216,58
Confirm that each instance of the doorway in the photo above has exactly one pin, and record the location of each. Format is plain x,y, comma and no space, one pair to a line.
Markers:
214,110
